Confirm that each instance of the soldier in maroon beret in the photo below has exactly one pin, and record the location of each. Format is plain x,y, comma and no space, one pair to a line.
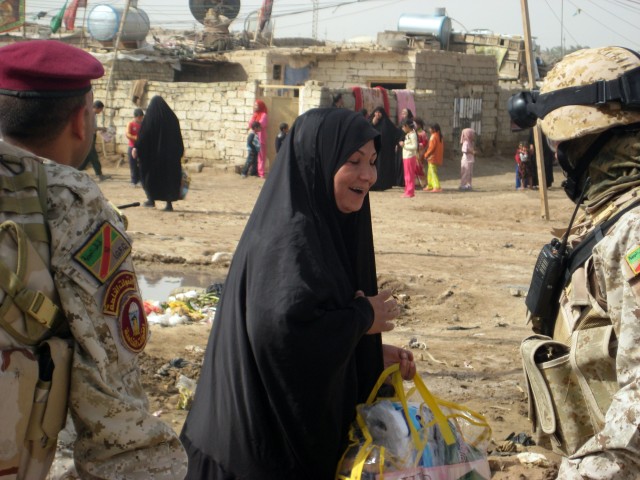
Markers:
46,99
73,321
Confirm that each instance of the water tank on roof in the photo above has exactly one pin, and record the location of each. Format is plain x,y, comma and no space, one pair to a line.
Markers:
437,25
104,20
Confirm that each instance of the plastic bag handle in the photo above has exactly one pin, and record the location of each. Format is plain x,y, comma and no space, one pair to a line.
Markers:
429,399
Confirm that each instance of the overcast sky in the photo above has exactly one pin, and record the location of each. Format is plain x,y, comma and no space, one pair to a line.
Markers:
591,23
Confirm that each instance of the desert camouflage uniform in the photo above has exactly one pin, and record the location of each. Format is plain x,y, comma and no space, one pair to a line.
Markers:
614,452
118,438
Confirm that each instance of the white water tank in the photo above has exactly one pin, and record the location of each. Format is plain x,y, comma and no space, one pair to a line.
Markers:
438,25
104,20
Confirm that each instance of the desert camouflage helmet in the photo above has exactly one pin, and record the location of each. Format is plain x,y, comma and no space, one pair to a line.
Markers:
585,67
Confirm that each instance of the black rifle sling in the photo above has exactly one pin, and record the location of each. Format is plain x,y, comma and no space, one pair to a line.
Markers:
582,252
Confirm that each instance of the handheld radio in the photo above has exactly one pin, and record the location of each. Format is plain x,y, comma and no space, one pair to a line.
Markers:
548,277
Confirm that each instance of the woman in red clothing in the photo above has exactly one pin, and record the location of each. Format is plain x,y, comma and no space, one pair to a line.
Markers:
260,116
434,156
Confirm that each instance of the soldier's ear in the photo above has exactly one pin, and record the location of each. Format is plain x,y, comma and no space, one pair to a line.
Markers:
82,122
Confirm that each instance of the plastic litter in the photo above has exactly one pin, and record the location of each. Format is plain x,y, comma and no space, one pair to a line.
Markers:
187,389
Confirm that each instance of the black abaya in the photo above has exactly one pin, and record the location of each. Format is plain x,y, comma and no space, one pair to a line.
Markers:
160,151
390,135
288,357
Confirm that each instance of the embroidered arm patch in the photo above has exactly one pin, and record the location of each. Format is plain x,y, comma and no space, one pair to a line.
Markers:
103,252
633,260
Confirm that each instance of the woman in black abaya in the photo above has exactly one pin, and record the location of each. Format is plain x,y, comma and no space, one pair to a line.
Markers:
390,135
159,150
296,341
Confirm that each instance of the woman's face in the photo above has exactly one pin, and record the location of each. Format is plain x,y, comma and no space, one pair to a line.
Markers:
404,113
256,107
352,181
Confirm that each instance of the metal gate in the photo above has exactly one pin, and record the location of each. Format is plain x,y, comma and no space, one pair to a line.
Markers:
467,113
282,103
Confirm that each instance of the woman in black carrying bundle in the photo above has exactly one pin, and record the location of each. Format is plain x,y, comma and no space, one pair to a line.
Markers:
159,150
296,341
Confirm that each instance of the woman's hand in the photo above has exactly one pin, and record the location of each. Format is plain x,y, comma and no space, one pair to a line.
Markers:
385,309
392,354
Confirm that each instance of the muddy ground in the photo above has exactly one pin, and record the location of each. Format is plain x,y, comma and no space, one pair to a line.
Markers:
459,261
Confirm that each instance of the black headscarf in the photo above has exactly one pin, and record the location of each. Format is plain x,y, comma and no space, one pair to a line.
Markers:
160,149
390,135
288,358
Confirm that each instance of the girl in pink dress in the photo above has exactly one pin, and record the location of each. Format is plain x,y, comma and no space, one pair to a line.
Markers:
260,116
409,152
467,140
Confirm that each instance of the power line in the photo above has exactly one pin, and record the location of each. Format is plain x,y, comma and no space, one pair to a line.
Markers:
616,16
599,21
625,6
564,29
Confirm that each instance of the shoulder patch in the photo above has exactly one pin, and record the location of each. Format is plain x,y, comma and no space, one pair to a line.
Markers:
633,259
104,252
134,328
122,284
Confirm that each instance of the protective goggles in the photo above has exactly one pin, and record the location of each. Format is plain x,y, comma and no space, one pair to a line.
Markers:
526,107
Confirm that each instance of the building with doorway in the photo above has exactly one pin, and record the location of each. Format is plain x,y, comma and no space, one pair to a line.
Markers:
213,94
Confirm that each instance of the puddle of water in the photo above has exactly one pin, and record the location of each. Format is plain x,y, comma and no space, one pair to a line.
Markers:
158,286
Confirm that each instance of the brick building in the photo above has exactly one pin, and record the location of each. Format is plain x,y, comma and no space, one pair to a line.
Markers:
213,94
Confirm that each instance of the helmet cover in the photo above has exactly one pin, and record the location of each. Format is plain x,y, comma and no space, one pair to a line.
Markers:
585,67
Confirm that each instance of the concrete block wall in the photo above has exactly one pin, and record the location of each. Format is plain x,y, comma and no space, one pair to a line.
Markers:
315,94
213,116
441,77
361,68
506,140
255,64
149,70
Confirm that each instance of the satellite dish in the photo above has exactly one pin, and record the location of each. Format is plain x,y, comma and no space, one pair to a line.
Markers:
228,8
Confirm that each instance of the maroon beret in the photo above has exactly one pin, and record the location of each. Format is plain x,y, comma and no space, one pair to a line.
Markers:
46,69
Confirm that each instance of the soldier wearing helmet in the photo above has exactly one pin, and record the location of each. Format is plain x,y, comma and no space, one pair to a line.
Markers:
583,374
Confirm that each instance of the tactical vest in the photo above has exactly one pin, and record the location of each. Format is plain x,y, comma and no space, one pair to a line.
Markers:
35,353
571,378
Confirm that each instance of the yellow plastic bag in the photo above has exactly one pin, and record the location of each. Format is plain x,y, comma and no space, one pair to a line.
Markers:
422,438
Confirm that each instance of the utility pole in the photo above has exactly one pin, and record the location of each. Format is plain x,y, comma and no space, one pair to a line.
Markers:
83,38
314,28
115,49
537,134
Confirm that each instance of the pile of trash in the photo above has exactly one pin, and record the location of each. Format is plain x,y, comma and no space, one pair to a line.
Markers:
187,305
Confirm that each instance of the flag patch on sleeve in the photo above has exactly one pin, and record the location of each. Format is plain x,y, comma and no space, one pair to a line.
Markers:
633,260
103,253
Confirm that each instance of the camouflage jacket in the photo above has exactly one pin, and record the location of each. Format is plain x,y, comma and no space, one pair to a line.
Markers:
614,452
117,436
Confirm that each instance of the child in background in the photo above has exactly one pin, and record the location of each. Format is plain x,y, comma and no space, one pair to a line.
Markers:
423,141
524,176
434,156
133,128
284,129
409,151
260,115
253,149
467,140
